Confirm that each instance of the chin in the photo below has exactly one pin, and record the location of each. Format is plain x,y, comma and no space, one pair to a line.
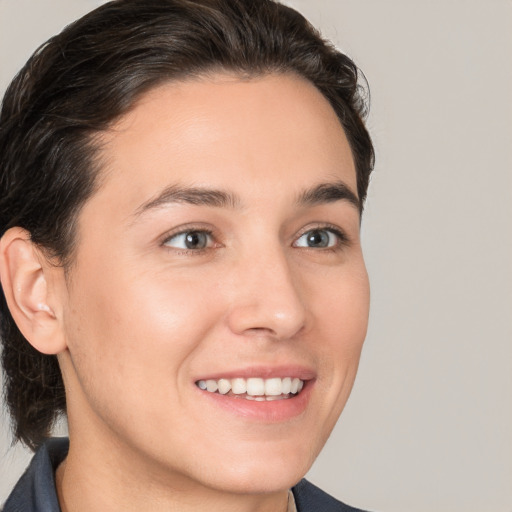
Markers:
258,482
262,473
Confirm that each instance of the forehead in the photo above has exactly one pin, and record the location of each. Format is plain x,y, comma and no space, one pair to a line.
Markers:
224,131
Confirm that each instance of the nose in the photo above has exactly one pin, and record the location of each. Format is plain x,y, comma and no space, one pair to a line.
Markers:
267,299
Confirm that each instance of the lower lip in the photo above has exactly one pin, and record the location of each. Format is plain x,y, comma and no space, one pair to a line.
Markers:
274,411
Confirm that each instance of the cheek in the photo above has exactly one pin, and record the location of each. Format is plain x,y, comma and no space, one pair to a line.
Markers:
134,334
341,315
341,308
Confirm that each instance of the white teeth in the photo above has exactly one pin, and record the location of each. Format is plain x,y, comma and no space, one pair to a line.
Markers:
273,387
295,385
273,398
254,388
211,386
224,386
238,386
286,385
264,398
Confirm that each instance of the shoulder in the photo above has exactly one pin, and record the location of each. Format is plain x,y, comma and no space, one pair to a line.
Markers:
309,498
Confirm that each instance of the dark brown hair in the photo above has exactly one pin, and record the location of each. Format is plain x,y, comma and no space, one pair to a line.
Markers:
82,80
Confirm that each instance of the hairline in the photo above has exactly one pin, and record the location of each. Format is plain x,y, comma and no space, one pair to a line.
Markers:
97,140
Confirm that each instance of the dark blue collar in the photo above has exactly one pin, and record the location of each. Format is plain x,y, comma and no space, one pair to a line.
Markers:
36,492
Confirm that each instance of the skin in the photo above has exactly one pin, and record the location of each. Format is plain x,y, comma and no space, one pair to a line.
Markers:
141,318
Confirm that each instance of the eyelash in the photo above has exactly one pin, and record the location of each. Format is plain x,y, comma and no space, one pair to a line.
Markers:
208,232
342,239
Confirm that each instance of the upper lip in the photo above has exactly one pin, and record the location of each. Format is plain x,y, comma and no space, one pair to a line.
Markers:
265,372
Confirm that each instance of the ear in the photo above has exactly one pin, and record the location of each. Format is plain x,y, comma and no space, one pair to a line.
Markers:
25,274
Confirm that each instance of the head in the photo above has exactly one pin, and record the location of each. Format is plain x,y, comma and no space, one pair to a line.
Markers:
140,81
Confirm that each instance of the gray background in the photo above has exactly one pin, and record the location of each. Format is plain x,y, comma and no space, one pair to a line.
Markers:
429,424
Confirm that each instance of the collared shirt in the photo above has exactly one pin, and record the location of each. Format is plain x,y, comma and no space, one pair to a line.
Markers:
36,491
291,502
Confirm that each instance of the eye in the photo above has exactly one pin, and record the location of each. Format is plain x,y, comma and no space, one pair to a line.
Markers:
319,239
190,240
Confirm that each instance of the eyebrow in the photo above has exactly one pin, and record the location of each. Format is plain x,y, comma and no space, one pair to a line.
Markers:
199,196
191,195
329,193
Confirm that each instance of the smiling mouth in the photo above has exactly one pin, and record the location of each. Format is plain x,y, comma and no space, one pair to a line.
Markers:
254,388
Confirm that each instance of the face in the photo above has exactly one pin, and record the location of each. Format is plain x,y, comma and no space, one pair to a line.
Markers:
217,307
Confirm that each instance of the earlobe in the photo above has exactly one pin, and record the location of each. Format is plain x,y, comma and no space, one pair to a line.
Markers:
24,273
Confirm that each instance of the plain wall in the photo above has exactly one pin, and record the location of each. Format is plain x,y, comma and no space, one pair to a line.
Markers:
429,423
